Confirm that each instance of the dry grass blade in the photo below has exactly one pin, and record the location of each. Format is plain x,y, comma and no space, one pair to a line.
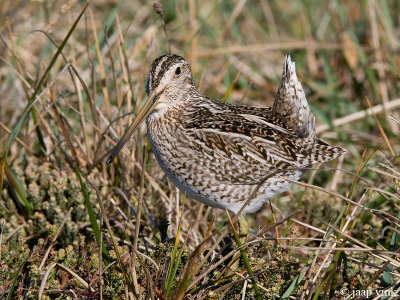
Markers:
64,268
128,282
269,47
193,265
137,223
377,109
106,103
381,130
67,215
371,210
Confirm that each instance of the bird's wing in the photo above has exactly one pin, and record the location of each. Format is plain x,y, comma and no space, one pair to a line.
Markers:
251,142
245,149
246,136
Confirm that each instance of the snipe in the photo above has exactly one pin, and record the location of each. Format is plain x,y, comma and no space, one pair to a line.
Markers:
219,153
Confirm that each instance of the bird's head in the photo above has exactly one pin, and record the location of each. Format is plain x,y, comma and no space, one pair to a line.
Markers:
168,78
166,72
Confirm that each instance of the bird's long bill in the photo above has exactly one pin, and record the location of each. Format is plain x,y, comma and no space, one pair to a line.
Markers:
144,112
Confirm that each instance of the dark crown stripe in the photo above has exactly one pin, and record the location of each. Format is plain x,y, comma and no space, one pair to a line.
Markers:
165,65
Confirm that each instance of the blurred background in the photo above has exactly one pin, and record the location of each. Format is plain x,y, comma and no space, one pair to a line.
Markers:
70,85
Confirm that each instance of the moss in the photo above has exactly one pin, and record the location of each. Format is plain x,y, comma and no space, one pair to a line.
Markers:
13,257
70,257
52,192
274,275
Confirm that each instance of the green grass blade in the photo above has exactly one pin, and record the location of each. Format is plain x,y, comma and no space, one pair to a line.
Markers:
18,189
295,283
91,213
175,269
175,260
15,282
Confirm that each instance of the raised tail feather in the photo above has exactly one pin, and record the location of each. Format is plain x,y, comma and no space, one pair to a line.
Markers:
291,106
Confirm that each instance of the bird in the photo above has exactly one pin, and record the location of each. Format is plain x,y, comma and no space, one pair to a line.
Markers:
228,156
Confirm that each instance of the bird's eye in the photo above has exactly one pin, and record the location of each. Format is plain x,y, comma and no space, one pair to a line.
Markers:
178,71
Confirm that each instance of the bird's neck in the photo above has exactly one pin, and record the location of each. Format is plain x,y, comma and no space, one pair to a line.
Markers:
173,99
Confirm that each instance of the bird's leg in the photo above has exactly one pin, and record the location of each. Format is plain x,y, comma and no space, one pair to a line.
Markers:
239,228
243,228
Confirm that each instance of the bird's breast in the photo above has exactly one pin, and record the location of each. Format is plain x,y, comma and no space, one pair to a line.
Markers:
174,155
165,134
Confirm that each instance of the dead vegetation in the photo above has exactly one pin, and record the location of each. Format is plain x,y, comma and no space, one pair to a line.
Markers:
72,77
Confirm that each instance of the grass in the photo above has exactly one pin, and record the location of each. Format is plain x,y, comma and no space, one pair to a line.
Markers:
73,76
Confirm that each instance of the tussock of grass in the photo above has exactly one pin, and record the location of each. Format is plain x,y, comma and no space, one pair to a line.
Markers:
73,75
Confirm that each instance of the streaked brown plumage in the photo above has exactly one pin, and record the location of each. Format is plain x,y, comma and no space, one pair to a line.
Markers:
219,153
